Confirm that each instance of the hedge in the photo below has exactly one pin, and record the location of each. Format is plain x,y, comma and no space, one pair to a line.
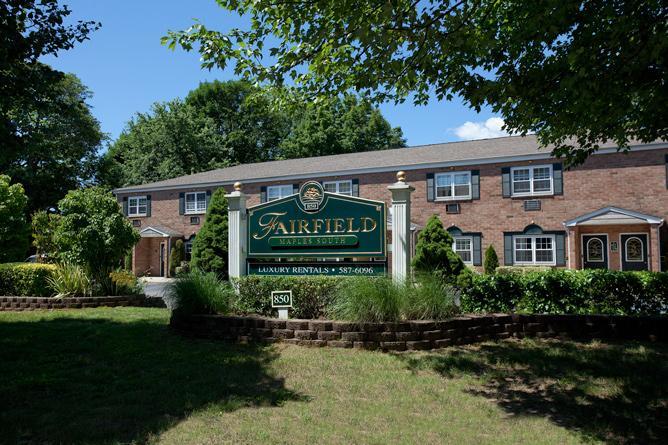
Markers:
25,279
568,292
311,296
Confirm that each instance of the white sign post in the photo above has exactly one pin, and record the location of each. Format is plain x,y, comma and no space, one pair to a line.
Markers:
281,300
237,223
401,228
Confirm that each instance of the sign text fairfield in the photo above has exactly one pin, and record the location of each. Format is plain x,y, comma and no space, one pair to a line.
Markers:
315,223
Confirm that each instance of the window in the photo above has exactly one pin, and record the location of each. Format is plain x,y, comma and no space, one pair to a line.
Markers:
137,206
463,246
534,180
634,250
595,250
340,187
534,249
278,191
451,186
196,202
188,245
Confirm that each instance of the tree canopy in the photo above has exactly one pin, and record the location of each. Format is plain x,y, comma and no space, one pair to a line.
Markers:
576,72
221,124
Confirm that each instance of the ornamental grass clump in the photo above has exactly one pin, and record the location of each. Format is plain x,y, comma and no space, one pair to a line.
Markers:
430,298
71,280
198,292
363,299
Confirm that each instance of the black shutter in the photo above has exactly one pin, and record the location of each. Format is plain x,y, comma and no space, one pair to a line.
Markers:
558,179
430,187
263,193
148,205
475,184
507,249
477,254
125,205
356,187
182,203
505,182
560,251
667,171
295,189
208,199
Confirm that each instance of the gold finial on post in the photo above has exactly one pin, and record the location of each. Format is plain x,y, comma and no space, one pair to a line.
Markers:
401,176
237,186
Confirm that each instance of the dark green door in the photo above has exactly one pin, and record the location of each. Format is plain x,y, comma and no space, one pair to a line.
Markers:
634,252
595,251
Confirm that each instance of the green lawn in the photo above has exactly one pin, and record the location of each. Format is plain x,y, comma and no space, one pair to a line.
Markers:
117,375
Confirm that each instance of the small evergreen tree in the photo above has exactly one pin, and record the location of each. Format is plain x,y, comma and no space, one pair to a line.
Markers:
491,260
433,252
209,252
177,255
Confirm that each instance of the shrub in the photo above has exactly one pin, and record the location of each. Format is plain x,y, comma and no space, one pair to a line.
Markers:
433,252
44,226
311,296
210,246
429,298
176,256
655,293
124,282
26,279
521,270
491,260
492,293
553,292
199,292
611,292
14,229
71,280
363,299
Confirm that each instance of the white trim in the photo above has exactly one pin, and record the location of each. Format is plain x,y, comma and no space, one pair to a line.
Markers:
150,229
452,186
642,250
470,240
337,184
280,186
585,254
194,212
136,215
649,219
533,250
622,249
531,180
390,168
595,236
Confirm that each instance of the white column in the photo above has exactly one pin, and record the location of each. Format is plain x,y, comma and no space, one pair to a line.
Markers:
236,202
401,228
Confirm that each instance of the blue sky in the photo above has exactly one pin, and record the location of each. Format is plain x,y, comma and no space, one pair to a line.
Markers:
127,69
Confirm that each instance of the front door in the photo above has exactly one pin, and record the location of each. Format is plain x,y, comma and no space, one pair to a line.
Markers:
162,259
634,252
595,251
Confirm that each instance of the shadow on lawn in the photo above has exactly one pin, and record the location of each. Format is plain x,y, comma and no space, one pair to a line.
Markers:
77,380
617,393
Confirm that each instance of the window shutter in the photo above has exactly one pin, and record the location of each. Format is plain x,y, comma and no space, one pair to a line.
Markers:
148,205
558,179
182,203
560,249
356,187
430,187
477,254
295,188
475,184
667,171
507,249
125,205
505,182
208,199
263,193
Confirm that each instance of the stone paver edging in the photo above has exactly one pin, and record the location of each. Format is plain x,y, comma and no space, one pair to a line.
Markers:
34,303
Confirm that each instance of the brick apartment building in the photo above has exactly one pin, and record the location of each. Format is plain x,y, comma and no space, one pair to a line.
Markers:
607,213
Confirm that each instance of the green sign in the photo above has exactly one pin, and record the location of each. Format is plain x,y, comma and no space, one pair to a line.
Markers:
314,223
348,268
281,299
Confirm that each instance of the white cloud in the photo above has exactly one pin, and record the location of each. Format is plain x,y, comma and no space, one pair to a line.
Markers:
491,128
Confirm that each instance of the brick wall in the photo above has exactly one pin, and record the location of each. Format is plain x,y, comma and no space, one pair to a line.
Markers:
414,335
635,181
34,303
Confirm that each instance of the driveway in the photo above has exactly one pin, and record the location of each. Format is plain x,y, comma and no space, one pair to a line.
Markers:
156,286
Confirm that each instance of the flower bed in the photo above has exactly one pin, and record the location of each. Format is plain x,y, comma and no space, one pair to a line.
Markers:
420,335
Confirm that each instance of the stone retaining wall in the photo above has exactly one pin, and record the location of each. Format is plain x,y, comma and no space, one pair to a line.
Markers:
420,335
33,303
